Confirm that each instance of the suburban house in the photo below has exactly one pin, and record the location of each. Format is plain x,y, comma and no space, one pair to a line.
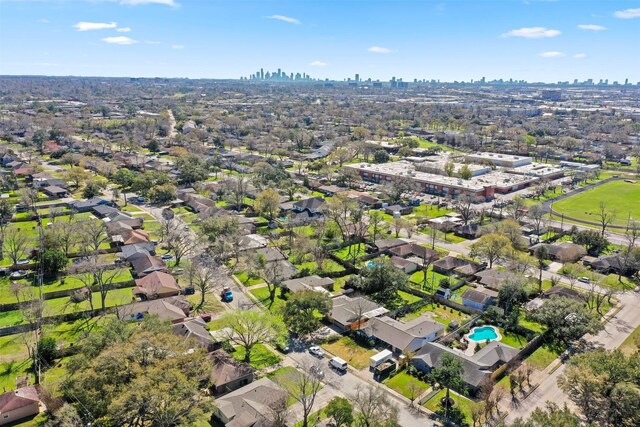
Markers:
250,405
144,264
131,237
195,329
404,265
228,374
616,264
414,249
469,231
403,337
309,283
102,211
89,204
492,278
563,251
385,244
41,180
277,266
353,313
252,241
397,210
147,248
156,285
562,291
19,404
125,218
312,205
452,265
162,308
55,191
477,368
479,298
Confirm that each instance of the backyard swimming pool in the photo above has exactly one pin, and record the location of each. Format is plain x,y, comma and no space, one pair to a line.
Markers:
483,333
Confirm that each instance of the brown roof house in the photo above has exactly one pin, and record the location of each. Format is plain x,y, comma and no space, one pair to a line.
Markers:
162,308
144,264
492,278
19,404
195,329
249,406
563,251
309,283
228,374
351,313
404,337
452,265
156,285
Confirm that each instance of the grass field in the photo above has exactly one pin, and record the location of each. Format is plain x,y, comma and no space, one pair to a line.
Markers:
623,197
406,385
632,343
462,404
261,356
349,350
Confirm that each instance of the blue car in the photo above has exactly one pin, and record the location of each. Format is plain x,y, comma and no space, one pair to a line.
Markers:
226,294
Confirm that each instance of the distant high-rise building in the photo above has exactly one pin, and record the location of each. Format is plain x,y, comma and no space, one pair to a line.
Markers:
261,74
626,82
279,73
357,77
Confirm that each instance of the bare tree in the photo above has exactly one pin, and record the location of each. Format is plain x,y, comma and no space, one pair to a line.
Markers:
373,406
605,217
92,234
95,274
203,278
537,215
279,413
179,238
464,206
15,244
303,385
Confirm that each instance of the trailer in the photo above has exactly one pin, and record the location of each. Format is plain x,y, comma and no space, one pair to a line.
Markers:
379,358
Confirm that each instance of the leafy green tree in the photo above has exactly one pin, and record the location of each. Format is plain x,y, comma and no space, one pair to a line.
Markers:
191,168
491,247
163,193
594,242
267,202
465,173
566,319
144,376
38,139
605,385
93,188
512,294
541,254
124,178
53,261
303,311
247,328
340,410
449,168
380,156
77,175
47,350
552,415
381,281
448,373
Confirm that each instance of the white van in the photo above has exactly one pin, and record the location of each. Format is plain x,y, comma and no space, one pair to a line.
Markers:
338,364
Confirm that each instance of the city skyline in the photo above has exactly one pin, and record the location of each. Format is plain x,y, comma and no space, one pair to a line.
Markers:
536,41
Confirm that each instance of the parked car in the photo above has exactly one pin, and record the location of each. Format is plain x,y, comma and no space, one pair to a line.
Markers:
316,351
583,279
315,370
206,317
282,347
166,257
22,261
19,274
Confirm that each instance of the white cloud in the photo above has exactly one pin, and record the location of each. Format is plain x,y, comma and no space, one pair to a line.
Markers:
122,40
592,27
123,29
285,19
177,46
318,64
532,33
552,54
171,3
378,49
580,55
90,26
627,13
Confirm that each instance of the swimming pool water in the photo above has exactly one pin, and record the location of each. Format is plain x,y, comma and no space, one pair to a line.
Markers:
483,333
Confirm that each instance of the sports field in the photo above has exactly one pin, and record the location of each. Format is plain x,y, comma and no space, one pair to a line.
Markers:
621,196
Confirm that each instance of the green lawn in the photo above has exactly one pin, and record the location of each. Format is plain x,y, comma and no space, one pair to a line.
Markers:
329,266
245,280
462,404
283,377
349,252
440,314
262,294
349,350
406,385
542,357
408,298
261,356
511,339
617,195
433,278
534,326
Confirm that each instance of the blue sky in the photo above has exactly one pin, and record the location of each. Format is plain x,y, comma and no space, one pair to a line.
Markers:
536,40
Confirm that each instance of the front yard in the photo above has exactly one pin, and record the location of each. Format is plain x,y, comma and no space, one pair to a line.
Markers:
408,386
462,406
261,356
349,350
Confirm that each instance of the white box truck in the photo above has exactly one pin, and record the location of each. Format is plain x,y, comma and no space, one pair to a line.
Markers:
379,358
338,364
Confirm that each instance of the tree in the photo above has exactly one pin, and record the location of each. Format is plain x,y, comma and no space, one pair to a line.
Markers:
158,385
465,172
380,156
512,294
303,386
572,271
236,191
303,311
77,175
449,168
204,279
191,168
47,350
396,188
15,244
509,228
537,214
223,233
53,261
448,373
541,253
594,242
604,385
92,234
125,179
162,193
340,410
247,328
179,238
491,247
6,213
517,208
566,319
375,219
95,274
605,217
464,206
93,188
29,198
381,282
267,202
373,407
551,415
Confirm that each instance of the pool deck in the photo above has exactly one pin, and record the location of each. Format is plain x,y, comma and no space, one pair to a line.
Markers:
470,351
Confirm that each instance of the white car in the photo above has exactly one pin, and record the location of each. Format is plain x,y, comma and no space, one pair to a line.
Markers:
583,279
317,371
316,351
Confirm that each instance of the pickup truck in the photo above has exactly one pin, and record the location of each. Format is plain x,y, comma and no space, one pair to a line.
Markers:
226,294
